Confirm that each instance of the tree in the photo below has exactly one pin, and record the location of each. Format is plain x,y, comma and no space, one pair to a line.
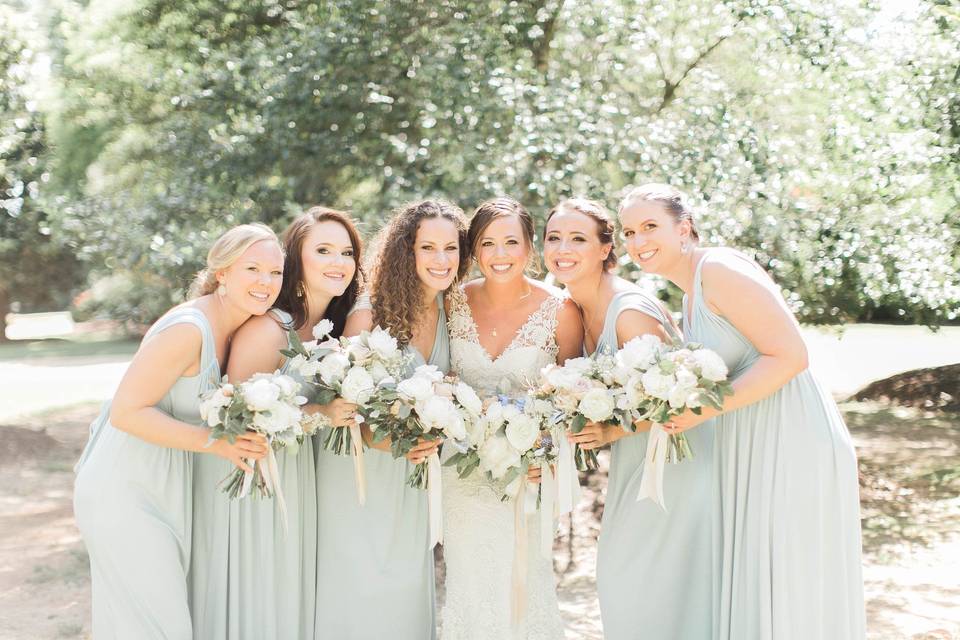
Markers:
35,270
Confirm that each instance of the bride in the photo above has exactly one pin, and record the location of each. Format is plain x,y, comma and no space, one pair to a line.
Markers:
504,327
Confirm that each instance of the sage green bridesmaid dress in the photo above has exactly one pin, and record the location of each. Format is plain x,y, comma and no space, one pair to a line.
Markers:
786,506
133,506
375,576
653,566
265,583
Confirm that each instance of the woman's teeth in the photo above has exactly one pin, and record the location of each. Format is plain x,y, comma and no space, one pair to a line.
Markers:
439,273
262,297
334,276
646,255
500,268
564,264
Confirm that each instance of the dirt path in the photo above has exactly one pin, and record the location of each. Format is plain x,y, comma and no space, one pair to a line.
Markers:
910,468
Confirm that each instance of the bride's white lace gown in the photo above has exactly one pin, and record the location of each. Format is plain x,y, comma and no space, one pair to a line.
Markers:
478,528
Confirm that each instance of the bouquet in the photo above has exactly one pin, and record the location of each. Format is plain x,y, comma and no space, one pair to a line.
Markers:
269,404
348,368
509,436
663,381
585,391
425,405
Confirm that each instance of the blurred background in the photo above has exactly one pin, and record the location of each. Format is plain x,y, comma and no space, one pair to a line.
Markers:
822,137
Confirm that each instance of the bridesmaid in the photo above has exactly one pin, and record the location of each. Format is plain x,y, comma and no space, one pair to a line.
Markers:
133,492
786,508
375,577
271,572
640,544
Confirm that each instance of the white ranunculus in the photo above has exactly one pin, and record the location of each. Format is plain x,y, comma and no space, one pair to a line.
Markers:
333,367
417,388
322,329
383,343
597,405
712,366
357,386
497,456
468,398
640,352
522,432
260,394
657,384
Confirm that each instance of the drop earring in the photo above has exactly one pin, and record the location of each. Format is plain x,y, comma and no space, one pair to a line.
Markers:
300,291
222,290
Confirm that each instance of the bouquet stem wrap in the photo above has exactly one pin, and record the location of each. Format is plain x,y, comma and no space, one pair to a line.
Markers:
434,500
655,460
518,601
568,482
270,472
356,445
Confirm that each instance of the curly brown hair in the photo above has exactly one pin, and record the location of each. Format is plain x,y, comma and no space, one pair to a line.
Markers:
396,290
293,238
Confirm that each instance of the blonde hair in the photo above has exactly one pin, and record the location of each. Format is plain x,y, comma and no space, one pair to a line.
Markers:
673,200
226,250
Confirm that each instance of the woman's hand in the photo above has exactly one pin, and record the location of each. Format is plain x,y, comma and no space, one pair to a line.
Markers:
249,446
340,412
595,435
534,474
688,420
423,450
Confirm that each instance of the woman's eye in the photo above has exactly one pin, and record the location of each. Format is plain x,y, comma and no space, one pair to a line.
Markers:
322,251
278,273
627,234
551,238
512,242
348,253
650,227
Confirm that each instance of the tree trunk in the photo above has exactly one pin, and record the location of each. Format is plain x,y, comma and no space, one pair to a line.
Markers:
4,310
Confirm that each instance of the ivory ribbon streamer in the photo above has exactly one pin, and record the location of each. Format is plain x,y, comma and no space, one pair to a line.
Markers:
356,445
518,608
271,480
434,499
568,482
655,459
548,508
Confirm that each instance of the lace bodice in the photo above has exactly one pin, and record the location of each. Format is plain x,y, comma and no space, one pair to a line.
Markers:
533,347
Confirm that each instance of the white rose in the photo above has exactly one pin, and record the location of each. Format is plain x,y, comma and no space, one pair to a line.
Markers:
468,398
210,408
581,365
309,368
440,414
333,367
657,384
383,343
357,386
622,374
379,372
356,349
636,394
640,352
260,394
281,417
497,456
678,396
288,386
322,329
563,378
416,388
597,405
428,371
693,400
522,432
685,378
712,366
494,415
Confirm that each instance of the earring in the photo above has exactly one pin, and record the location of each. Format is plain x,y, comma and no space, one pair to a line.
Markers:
222,290
684,247
300,292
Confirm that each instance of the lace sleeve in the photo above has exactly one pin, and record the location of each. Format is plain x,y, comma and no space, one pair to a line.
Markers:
362,304
459,321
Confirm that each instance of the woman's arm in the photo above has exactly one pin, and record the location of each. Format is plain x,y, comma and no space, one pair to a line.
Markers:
160,361
743,294
569,332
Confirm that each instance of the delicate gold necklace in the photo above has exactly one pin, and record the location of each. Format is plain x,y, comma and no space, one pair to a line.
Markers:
493,331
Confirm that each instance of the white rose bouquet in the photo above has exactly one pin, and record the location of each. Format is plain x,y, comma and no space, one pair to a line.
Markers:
268,403
348,368
510,436
662,381
425,405
586,391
